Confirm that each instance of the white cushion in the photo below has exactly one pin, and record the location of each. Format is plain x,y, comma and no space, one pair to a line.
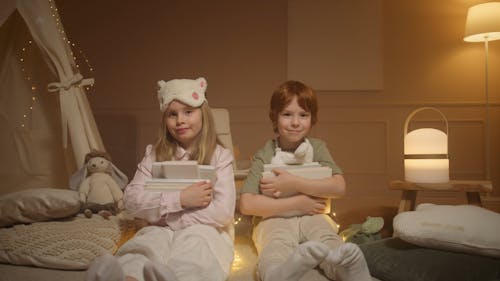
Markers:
462,228
38,204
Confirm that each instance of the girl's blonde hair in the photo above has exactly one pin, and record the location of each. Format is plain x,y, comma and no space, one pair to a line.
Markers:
204,145
284,94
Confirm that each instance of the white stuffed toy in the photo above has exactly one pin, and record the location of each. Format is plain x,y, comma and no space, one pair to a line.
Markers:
99,192
303,154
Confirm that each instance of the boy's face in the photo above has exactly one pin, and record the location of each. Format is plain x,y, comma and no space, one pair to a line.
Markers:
293,125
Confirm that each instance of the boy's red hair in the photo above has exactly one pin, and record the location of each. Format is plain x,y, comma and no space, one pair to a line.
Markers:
284,94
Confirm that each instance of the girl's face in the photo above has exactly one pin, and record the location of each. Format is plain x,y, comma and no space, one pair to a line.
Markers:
183,123
293,125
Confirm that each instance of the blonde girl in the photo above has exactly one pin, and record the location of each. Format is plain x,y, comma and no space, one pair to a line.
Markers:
188,236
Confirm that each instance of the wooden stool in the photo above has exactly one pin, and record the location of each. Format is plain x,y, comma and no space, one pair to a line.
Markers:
472,188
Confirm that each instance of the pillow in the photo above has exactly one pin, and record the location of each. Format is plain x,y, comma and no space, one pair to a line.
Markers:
65,244
393,259
462,228
38,204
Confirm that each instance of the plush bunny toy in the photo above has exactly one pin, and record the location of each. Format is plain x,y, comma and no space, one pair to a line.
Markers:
303,154
99,192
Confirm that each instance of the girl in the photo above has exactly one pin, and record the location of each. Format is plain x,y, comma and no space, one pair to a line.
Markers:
188,237
290,247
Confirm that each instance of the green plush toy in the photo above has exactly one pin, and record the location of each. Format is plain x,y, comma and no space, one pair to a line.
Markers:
365,232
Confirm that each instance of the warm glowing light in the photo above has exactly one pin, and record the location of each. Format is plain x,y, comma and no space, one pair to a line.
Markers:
427,170
426,144
483,22
237,221
426,141
238,262
426,153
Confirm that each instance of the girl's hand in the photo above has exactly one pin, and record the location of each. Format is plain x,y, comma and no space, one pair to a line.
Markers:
197,195
311,205
282,183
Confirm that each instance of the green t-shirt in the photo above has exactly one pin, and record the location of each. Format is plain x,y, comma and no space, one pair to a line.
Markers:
264,156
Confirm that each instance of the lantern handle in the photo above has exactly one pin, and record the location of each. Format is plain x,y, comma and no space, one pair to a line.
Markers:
421,109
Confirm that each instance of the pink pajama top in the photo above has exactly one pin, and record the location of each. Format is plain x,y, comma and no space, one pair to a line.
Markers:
164,208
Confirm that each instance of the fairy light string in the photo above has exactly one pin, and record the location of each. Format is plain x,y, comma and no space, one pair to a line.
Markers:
27,74
27,66
60,29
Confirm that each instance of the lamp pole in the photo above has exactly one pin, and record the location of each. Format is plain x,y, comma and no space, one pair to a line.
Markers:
483,25
487,105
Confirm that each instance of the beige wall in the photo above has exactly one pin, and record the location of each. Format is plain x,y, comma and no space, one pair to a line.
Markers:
241,47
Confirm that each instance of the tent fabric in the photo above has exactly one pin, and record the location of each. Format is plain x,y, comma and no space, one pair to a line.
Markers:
76,127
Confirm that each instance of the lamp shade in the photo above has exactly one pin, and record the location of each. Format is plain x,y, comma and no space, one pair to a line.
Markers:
426,153
483,22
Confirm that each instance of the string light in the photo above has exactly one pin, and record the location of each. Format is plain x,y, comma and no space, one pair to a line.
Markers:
238,262
237,220
333,215
55,14
27,50
27,75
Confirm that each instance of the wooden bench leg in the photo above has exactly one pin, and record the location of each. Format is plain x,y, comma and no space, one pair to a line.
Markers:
473,198
407,202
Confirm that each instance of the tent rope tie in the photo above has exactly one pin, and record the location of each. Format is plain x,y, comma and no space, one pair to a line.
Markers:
75,81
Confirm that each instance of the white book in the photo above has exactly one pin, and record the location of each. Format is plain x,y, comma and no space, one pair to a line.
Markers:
207,172
169,184
311,172
269,167
307,171
175,170
177,175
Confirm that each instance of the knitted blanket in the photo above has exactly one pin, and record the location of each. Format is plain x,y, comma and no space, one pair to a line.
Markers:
68,244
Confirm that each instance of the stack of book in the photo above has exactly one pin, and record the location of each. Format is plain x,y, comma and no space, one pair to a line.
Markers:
177,175
311,170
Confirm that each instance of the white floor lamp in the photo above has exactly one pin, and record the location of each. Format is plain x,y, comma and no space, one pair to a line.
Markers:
483,25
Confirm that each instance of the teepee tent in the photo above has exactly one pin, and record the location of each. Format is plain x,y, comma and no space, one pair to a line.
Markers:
46,130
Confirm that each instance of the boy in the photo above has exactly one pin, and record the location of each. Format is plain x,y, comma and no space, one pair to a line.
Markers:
289,247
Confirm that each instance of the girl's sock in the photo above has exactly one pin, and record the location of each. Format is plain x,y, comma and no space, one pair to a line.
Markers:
156,272
351,263
105,268
306,257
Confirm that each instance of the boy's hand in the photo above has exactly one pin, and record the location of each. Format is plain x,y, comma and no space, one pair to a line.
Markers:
311,205
269,191
282,183
197,195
